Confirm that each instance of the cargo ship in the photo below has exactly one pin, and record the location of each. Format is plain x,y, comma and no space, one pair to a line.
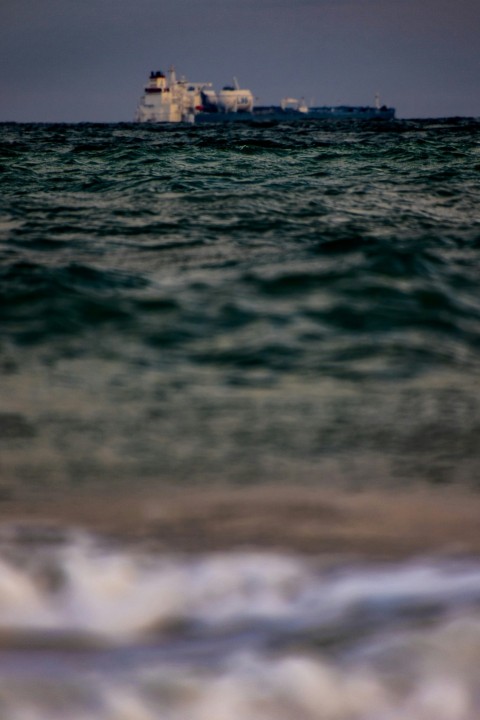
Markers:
167,99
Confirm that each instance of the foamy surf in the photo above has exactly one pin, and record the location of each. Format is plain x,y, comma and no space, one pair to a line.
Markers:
97,631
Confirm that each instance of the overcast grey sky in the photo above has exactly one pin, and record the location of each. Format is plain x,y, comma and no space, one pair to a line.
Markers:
88,60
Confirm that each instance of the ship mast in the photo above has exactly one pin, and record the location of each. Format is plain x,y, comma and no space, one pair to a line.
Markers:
172,76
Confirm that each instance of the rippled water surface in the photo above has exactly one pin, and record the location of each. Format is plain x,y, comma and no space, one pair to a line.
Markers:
209,307
240,303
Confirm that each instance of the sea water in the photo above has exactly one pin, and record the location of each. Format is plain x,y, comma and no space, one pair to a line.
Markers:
236,306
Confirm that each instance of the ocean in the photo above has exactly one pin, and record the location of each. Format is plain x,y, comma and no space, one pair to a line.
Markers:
240,421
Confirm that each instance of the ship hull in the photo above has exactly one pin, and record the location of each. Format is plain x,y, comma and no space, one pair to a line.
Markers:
277,114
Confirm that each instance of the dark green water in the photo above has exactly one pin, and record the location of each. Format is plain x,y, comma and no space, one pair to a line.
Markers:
289,303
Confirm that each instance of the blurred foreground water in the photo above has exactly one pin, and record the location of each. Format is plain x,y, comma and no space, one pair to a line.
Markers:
91,630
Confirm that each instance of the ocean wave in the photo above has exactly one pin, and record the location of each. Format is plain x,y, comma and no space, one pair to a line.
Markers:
90,630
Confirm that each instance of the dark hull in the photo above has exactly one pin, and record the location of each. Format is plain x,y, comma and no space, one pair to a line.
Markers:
276,114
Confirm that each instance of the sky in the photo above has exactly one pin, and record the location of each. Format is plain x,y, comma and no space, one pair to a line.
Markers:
88,60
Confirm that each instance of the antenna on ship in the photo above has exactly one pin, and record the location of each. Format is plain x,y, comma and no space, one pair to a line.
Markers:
235,82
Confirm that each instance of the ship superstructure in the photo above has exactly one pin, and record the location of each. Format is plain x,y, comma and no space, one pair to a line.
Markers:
167,100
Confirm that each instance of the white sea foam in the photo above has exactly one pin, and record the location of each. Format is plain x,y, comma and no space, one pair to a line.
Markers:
272,688
229,636
119,594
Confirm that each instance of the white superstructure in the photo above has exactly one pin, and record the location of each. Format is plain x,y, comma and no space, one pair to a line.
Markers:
167,99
